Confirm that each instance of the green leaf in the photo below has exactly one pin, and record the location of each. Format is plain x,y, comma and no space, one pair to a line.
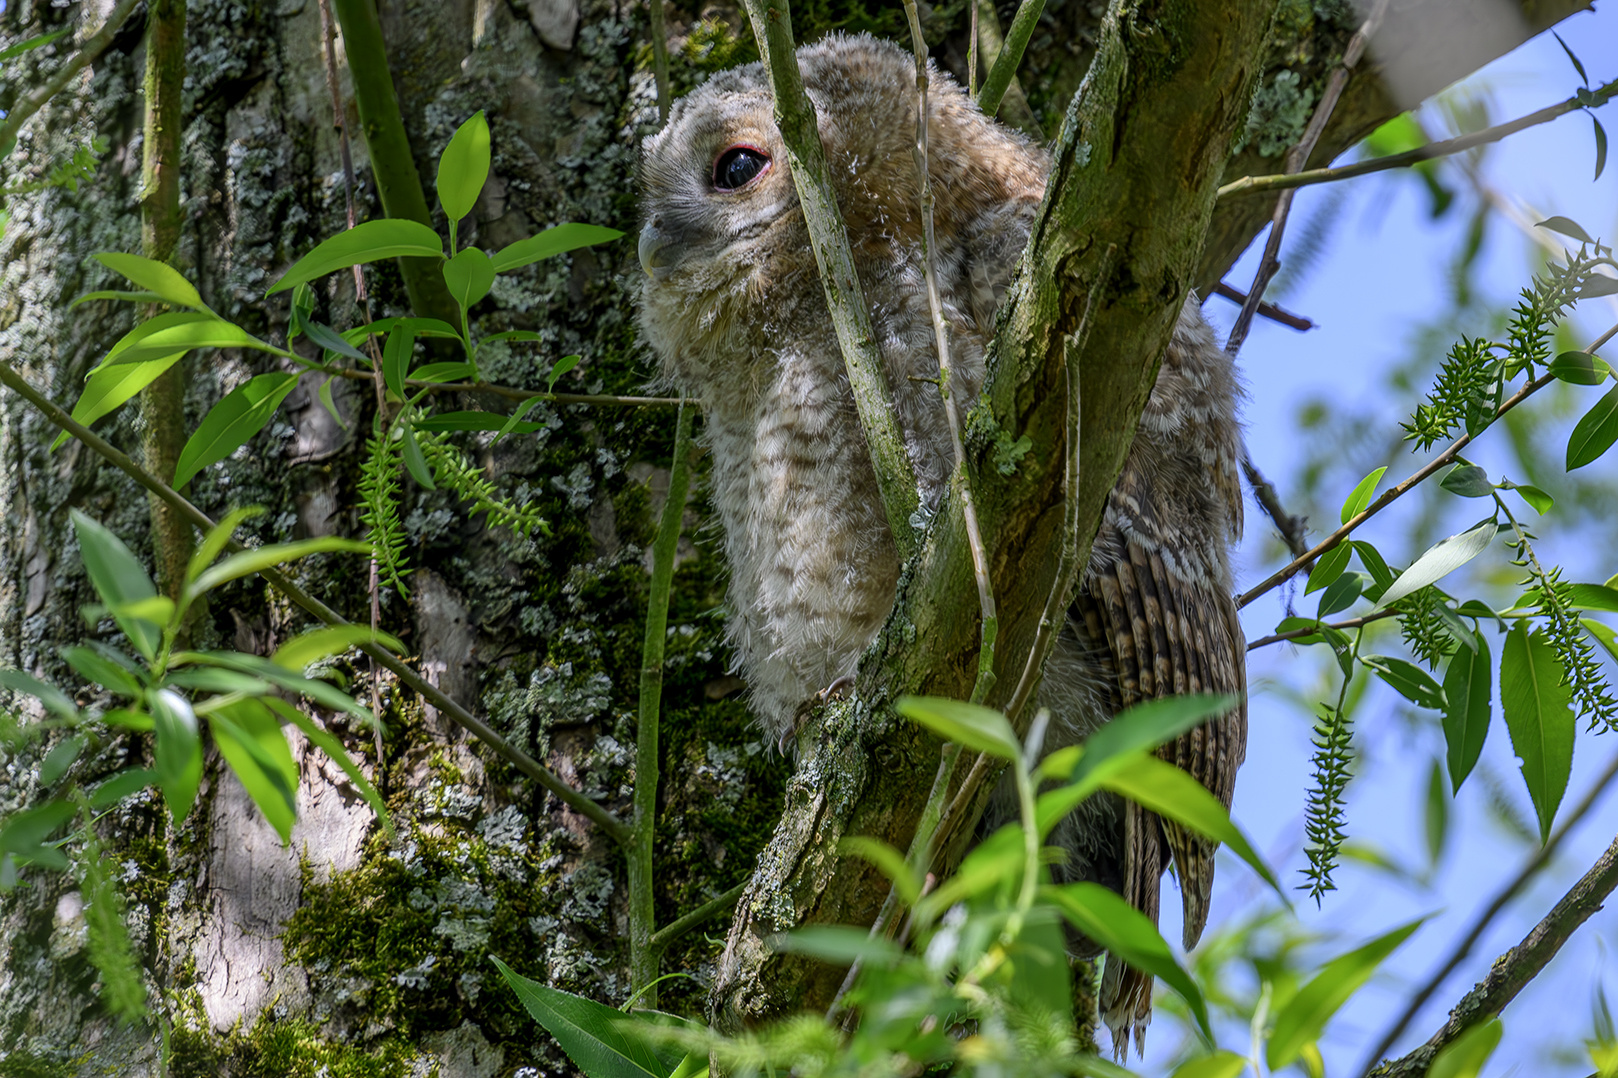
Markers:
1576,65
118,577
1408,680
260,558
1303,1019
1342,593
205,332
526,335
477,421
55,700
397,352
317,644
325,742
415,462
514,420
463,167
1467,480
1435,819
1595,432
1465,1056
1175,795
332,341
390,237
320,692
889,860
110,387
324,394
1579,368
217,538
60,758
1468,683
156,277
1601,146
178,751
968,725
421,327
94,666
122,297
38,42
1329,567
469,275
552,241
24,833
595,1037
1140,729
1535,702
1360,496
1126,932
1566,227
1441,559
1220,1064
563,365
120,786
443,372
840,945
213,679
239,415
1036,972
1535,497
251,741
1603,634
1373,561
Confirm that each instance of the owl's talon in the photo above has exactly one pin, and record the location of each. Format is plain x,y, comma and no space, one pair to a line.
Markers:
837,690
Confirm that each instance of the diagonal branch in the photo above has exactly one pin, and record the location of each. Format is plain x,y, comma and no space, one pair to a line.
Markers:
92,49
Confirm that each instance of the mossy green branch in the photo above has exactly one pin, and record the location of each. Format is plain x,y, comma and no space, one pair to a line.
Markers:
1009,55
397,181
88,53
850,315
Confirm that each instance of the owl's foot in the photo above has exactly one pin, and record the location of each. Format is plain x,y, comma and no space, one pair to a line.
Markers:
837,690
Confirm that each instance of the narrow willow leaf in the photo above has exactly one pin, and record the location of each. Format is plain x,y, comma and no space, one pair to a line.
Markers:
397,352
251,741
463,167
475,421
1535,702
110,387
1602,634
563,365
1142,728
421,327
597,1038
469,276
1441,559
94,666
1601,146
1303,1019
265,557
1360,496
118,577
1341,594
390,237
889,860
1329,567
317,644
332,341
442,372
1175,795
1126,932
37,42
1468,682
60,758
1220,1064
552,241
514,420
324,394
1579,368
55,700
1468,481
1465,1056
1542,502
320,692
977,728
228,426
178,751
1408,680
1567,227
514,335
193,333
325,742
25,833
153,276
1377,566
120,786
839,944
415,462
217,538
1595,432
121,297
1435,818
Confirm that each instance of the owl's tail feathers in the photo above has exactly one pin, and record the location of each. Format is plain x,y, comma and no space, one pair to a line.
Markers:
1126,1006
1194,864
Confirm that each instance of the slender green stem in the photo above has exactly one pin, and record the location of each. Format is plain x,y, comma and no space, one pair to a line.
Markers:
392,165
91,50
609,824
643,954
660,60
1005,64
850,314
663,937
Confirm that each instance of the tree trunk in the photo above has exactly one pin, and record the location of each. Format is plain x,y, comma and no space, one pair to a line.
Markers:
342,949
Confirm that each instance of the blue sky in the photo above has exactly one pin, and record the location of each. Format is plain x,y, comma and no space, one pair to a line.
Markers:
1383,273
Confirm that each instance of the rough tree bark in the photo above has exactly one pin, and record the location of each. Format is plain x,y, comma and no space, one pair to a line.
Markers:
341,950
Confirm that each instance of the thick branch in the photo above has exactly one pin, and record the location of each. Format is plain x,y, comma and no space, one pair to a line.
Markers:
800,133
1123,159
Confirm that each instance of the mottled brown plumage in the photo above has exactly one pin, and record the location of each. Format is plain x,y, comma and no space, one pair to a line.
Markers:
733,307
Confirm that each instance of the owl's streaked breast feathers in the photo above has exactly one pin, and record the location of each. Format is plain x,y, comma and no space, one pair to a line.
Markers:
732,305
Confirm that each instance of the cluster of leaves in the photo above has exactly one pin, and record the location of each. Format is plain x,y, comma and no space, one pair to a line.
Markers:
400,433
982,988
169,693
1548,669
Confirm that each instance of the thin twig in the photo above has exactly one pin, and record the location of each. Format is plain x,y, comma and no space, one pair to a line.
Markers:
1298,634
1265,310
1296,159
1541,858
1290,526
665,936
1429,152
610,824
1010,57
93,47
1511,972
946,372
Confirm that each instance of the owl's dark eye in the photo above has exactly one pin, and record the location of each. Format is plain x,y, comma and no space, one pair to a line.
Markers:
739,166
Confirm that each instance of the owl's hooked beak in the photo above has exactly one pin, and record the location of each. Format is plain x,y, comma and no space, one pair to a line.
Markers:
658,253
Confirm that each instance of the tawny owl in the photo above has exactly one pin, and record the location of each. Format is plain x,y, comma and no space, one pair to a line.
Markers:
732,305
